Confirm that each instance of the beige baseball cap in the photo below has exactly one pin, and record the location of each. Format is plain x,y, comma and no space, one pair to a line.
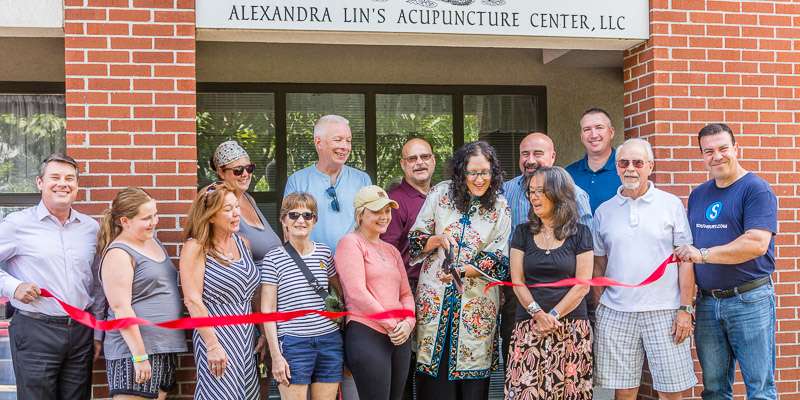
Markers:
373,197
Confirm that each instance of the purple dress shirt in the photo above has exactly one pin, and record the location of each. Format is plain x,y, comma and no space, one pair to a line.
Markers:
410,201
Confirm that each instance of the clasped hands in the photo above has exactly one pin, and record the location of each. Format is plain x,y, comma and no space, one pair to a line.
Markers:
545,323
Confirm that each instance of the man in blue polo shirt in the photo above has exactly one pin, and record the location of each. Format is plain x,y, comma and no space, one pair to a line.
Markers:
596,172
734,218
332,183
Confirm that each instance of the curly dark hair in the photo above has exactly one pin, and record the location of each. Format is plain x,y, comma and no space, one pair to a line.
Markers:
459,192
559,188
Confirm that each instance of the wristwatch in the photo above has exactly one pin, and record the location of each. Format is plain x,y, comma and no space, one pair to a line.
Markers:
689,309
533,308
703,254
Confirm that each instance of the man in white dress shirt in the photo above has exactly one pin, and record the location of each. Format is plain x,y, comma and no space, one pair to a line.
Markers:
51,246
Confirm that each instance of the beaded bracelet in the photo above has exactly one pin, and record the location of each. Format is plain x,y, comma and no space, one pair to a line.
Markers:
139,358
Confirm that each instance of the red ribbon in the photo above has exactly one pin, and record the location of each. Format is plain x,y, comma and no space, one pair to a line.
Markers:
599,281
223,320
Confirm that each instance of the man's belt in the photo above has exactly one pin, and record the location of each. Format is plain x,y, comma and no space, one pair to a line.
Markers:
721,294
48,318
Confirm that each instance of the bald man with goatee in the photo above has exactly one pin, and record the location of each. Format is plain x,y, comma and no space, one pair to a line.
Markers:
535,151
418,163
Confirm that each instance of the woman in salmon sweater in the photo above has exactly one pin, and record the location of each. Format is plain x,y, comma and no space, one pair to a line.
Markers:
374,280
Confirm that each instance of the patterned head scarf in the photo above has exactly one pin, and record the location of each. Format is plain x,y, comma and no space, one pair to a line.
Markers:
226,153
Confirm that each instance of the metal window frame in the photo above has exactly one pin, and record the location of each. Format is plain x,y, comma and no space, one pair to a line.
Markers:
370,91
27,88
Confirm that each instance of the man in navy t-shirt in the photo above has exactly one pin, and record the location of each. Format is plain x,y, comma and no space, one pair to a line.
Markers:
733,218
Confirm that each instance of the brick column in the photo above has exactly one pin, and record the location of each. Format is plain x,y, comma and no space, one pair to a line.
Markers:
130,94
738,63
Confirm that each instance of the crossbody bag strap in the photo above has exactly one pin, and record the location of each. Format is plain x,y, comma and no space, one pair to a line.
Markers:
306,272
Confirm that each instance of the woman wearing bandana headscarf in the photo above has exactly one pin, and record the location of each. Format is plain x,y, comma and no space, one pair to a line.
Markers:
232,164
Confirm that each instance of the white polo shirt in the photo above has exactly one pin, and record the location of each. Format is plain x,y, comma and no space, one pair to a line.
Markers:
637,236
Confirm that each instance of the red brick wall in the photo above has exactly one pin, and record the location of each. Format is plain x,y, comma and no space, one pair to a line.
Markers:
130,93
735,62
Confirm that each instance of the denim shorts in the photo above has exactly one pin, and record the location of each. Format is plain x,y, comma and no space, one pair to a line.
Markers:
314,359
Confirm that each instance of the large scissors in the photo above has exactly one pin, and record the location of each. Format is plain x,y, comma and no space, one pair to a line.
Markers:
449,267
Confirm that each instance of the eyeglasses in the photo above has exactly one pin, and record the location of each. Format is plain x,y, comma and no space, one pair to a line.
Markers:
238,171
538,192
335,203
294,215
474,175
636,163
414,158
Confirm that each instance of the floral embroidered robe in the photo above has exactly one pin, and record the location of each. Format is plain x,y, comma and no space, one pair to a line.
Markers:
473,316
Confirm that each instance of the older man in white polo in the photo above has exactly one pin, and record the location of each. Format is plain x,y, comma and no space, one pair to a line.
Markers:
635,231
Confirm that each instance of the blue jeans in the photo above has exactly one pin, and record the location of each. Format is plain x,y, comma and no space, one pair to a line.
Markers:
740,328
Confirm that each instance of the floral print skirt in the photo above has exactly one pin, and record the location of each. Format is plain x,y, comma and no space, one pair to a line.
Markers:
554,366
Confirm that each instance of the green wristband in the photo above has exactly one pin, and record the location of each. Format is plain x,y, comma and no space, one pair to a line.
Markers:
139,358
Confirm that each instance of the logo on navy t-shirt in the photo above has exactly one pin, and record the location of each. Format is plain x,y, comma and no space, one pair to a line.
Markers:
713,211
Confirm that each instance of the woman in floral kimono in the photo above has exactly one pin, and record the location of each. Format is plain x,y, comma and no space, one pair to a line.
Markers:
457,332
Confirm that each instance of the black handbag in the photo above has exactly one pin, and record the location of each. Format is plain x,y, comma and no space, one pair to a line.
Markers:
333,302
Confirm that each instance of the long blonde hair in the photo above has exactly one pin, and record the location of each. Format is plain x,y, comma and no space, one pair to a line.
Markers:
126,204
208,201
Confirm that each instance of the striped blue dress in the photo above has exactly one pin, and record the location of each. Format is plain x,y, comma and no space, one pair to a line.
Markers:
229,290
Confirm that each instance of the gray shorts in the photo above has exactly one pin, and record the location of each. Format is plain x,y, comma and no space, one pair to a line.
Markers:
122,379
623,338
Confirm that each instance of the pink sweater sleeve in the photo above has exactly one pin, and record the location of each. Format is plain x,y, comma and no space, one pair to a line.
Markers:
351,268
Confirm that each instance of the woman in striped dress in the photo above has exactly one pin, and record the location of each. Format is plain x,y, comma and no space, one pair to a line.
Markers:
219,278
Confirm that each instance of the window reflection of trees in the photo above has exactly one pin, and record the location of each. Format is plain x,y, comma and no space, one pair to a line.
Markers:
31,127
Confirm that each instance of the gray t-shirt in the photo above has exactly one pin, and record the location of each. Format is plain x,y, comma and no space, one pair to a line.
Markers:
262,241
154,297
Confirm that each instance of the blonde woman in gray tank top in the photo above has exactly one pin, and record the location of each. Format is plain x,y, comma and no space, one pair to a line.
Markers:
139,280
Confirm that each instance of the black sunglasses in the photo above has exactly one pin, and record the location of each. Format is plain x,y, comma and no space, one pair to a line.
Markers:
335,203
238,171
294,215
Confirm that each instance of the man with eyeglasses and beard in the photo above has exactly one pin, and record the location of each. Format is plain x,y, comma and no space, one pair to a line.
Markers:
634,232
418,163
536,150
332,183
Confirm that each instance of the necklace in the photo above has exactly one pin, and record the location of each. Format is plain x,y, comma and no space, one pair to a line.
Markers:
225,251
547,233
379,250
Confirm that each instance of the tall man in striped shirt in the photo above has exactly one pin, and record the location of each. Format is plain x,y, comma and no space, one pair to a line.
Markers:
535,151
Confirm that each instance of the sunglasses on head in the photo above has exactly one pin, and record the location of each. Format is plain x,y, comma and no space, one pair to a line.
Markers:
210,189
294,215
335,203
636,163
238,171
213,187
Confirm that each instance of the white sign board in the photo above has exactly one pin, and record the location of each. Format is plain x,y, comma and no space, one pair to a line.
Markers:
604,19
